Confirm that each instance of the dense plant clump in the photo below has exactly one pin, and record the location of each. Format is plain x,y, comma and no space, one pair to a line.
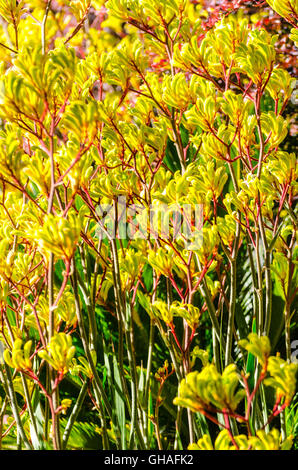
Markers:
148,257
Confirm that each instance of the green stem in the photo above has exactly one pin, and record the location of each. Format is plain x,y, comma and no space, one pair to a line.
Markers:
43,27
232,306
148,373
51,296
260,134
178,144
211,309
126,328
134,382
74,414
55,392
99,391
268,280
29,405
216,351
2,412
288,300
288,332
260,316
253,275
7,379
283,426
178,427
88,302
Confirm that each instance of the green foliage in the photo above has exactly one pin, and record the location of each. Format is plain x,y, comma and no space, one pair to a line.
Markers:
200,390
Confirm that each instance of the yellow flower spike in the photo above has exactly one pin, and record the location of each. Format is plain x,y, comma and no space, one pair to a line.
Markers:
201,354
59,352
204,443
6,259
151,10
235,107
162,261
83,367
35,76
199,390
60,235
213,147
82,120
271,441
211,179
66,308
274,127
186,54
131,265
294,36
124,9
226,229
12,156
280,84
79,8
189,312
262,441
161,310
280,269
203,113
217,47
22,269
4,290
209,245
27,348
176,91
283,167
256,58
223,441
247,135
288,9
65,404
19,358
259,346
283,378
11,10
